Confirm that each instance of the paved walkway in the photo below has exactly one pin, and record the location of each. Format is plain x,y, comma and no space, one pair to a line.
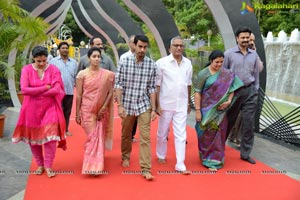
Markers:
18,157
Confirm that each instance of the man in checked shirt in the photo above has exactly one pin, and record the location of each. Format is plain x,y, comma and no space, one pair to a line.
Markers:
136,98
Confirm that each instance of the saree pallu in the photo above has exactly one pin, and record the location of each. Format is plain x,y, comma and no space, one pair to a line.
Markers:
41,117
96,87
211,131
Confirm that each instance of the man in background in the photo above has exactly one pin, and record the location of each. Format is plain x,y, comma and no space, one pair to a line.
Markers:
235,136
105,61
68,69
244,62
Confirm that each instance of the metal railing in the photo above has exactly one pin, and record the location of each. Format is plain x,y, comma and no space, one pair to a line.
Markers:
277,126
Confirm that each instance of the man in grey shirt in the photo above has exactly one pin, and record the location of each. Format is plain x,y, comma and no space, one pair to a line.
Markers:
244,62
105,62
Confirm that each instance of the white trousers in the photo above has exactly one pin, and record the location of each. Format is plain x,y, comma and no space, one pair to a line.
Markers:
179,127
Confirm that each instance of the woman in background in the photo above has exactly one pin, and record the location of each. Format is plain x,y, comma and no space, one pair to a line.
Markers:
214,92
41,122
94,111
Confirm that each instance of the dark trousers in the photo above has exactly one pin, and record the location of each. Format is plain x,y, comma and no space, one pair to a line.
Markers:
234,135
134,128
246,103
67,107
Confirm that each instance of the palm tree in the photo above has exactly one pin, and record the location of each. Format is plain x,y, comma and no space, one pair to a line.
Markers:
18,29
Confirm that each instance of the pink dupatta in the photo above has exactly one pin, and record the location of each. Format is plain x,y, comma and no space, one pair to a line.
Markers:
47,122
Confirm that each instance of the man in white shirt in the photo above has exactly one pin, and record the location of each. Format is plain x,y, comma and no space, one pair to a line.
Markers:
174,82
105,60
131,48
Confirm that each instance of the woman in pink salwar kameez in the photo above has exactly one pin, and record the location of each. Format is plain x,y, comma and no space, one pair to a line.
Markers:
94,111
41,122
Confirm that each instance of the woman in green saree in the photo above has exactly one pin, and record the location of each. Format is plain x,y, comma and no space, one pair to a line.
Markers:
214,92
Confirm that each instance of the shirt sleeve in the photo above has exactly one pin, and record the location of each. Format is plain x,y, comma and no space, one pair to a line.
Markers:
153,77
119,77
81,65
226,60
111,65
159,76
190,74
256,71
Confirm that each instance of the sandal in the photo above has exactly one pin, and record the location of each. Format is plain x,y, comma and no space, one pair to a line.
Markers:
50,172
148,176
213,169
40,170
125,163
95,175
162,161
185,172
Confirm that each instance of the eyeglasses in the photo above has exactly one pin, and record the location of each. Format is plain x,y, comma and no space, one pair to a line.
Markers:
177,45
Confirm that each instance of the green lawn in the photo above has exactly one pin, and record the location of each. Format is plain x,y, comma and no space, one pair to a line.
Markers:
283,108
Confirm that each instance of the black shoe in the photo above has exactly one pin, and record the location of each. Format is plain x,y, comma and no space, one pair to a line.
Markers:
250,160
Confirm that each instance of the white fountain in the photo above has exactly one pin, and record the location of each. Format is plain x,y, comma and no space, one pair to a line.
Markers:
282,37
294,36
269,37
282,60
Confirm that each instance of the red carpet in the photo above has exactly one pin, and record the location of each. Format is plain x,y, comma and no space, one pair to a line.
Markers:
238,180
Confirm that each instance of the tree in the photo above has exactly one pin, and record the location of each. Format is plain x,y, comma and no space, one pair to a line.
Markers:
194,15
276,19
77,34
18,29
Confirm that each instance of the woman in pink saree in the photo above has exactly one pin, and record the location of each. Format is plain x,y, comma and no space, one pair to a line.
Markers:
41,122
94,111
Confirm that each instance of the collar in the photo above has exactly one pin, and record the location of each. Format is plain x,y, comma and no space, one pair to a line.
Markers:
60,58
237,49
171,58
